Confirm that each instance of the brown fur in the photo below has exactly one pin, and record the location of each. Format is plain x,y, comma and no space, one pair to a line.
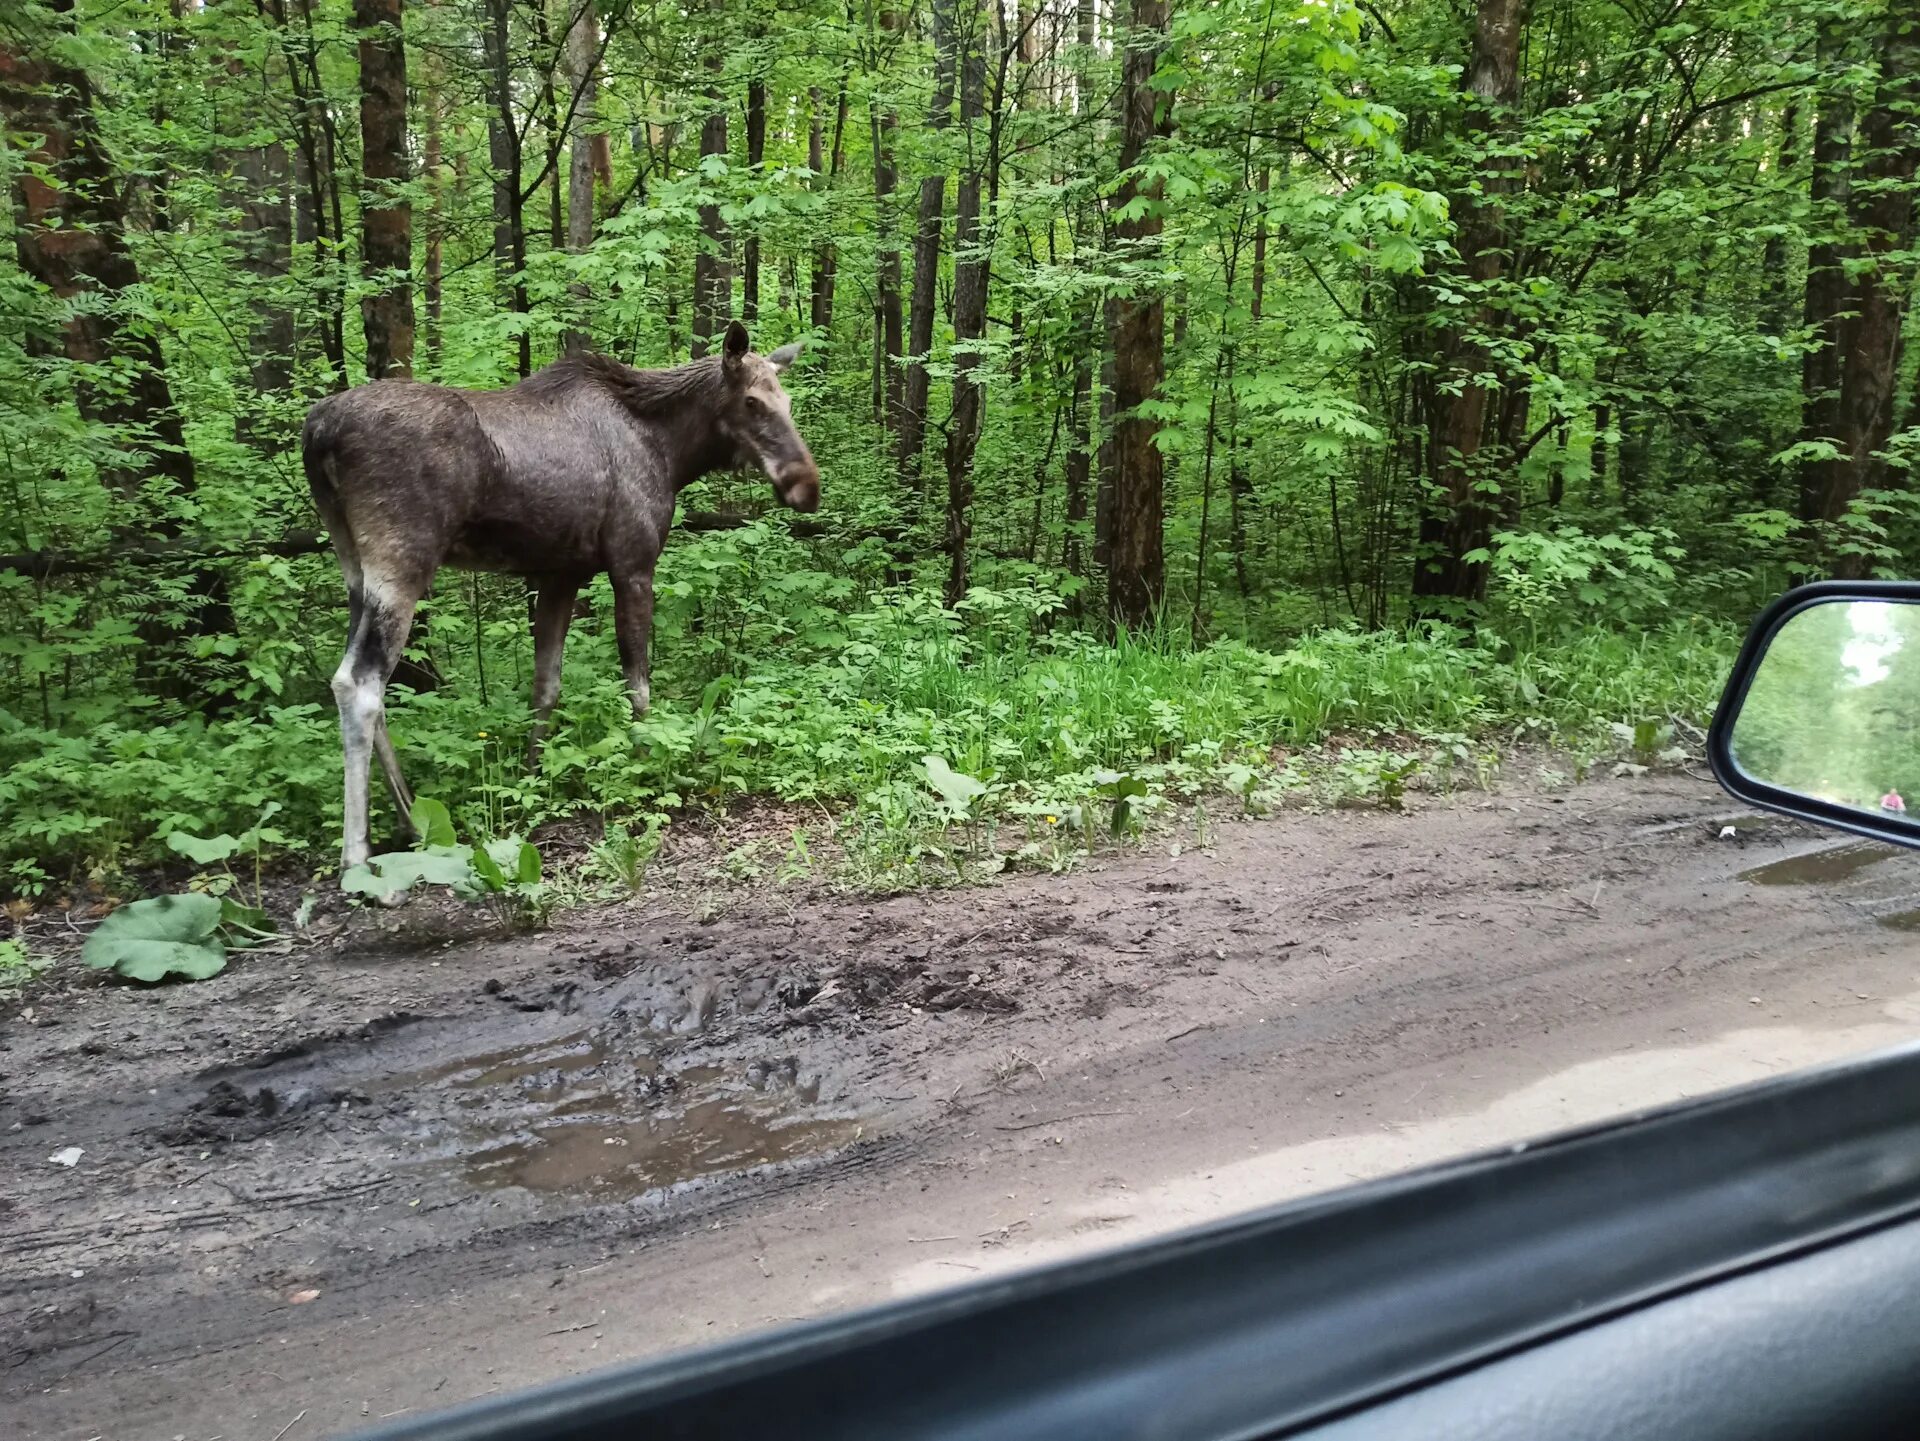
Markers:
571,473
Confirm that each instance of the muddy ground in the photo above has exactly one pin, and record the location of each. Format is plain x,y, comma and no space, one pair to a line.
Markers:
332,1187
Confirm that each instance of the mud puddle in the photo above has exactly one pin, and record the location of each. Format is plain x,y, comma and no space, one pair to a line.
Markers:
1822,867
592,1116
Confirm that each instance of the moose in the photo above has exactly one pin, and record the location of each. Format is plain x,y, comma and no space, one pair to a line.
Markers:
570,473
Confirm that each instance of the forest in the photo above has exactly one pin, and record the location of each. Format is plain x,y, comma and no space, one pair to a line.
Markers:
1236,398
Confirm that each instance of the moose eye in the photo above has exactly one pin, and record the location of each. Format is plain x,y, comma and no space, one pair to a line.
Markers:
754,402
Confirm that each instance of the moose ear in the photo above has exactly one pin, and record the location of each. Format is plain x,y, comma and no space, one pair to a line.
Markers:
736,345
784,356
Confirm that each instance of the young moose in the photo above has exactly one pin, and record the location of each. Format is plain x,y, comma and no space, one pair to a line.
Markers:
570,473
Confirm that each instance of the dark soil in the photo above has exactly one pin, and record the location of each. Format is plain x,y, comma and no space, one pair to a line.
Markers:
359,1179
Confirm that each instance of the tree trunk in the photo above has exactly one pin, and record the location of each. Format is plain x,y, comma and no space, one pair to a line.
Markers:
713,262
825,261
69,235
1239,483
756,157
1826,294
926,261
820,273
1079,447
433,163
1870,337
1597,465
386,216
582,51
262,191
888,381
1455,524
969,326
550,124
1136,565
503,147
1776,309
318,219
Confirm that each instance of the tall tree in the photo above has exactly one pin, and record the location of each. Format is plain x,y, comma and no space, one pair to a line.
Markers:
1826,284
260,188
432,167
888,382
504,151
756,161
70,235
1136,566
582,51
319,220
713,261
386,215
1882,276
969,316
826,175
1456,521
926,258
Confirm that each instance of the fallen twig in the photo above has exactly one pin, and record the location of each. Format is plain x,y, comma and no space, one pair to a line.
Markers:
1076,1116
114,1344
290,1425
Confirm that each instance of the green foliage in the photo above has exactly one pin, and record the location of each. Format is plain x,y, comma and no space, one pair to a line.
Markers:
622,856
851,725
958,793
17,965
503,873
386,878
1122,791
431,822
1639,464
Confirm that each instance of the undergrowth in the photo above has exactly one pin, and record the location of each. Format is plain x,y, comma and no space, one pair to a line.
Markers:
1064,734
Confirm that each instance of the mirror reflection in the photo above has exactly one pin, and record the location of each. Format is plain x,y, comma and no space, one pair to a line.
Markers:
1834,709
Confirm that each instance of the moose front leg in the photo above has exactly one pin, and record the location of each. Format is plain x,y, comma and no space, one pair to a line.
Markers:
552,613
633,623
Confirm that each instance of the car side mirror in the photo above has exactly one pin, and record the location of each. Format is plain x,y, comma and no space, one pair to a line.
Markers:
1821,717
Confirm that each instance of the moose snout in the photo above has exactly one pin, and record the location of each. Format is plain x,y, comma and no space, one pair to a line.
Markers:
799,486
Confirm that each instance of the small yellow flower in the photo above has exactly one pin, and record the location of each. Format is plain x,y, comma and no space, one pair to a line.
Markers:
1053,820
481,734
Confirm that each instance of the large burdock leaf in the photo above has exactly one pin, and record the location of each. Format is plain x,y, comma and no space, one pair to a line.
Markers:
958,789
391,875
154,939
431,822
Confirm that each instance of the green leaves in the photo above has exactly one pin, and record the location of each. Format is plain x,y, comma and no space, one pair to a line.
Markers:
387,877
1122,789
155,939
205,851
506,862
432,822
958,792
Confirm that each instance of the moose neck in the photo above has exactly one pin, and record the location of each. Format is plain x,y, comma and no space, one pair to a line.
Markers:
692,445
679,407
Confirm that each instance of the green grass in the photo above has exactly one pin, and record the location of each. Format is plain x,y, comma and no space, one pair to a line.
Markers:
842,716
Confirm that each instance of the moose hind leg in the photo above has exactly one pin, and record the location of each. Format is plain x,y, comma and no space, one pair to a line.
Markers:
552,613
633,623
359,689
390,767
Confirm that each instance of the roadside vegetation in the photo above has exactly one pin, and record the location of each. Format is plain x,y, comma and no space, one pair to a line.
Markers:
1242,405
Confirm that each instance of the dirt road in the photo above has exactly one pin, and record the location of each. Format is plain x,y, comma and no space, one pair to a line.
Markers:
316,1192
